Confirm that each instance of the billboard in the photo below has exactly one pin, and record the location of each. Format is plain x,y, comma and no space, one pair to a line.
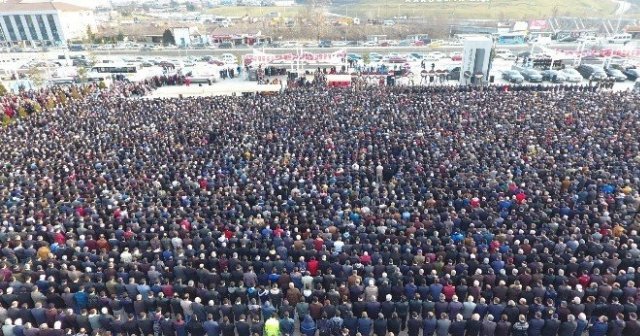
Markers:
538,25
475,59
291,58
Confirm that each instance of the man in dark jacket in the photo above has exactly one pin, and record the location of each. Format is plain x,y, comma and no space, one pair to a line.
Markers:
380,325
130,327
243,327
551,326
616,326
166,325
145,324
414,324
632,326
365,325
569,326
429,324
458,327
388,307
536,324
503,327
350,323
488,326
211,327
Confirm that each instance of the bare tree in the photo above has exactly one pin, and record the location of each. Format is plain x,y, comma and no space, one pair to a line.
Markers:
35,74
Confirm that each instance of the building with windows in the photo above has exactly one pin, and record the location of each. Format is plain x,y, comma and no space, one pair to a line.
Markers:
33,23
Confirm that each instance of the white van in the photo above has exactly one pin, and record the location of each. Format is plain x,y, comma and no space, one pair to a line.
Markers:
620,38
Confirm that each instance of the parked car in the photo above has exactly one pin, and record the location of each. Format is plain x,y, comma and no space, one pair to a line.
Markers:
437,54
531,75
417,56
572,75
620,38
591,72
225,45
454,74
375,56
354,57
632,73
456,56
324,44
554,76
615,74
370,44
512,76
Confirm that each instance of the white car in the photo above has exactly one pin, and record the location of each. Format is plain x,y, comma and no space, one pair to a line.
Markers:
370,44
228,58
437,54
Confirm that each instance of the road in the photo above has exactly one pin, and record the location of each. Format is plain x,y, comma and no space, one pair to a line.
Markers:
382,50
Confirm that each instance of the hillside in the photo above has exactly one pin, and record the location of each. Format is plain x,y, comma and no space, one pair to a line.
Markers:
493,9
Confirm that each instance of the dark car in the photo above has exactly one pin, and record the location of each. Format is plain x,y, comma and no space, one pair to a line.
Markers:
615,74
632,74
568,39
553,76
325,44
454,74
225,45
531,75
512,76
591,72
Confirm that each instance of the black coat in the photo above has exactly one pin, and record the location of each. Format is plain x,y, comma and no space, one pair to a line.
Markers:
458,328
551,327
380,326
474,328
393,325
195,328
413,326
244,329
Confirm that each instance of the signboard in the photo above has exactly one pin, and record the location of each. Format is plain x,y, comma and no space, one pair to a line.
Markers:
445,1
538,25
302,57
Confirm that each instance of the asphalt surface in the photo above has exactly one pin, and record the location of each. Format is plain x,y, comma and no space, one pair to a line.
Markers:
382,50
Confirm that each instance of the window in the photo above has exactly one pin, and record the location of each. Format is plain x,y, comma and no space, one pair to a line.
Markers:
32,27
21,31
43,27
12,33
54,28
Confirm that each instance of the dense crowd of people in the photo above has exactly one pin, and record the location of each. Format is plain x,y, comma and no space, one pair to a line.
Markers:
417,211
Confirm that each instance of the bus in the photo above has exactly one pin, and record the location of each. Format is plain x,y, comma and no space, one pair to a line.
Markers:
132,72
511,38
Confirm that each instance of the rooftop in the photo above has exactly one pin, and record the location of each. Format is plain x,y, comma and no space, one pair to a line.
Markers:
15,6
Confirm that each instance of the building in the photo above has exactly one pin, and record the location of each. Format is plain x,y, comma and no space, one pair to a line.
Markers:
39,23
238,37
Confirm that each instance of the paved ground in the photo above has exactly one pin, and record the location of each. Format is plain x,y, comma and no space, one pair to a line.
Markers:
239,85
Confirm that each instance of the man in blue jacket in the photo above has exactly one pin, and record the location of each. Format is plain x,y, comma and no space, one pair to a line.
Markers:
535,325
365,324
600,327
429,324
211,326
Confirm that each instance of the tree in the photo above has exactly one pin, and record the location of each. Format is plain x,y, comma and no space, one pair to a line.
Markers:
35,75
167,38
3,90
82,74
91,36
120,36
191,7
